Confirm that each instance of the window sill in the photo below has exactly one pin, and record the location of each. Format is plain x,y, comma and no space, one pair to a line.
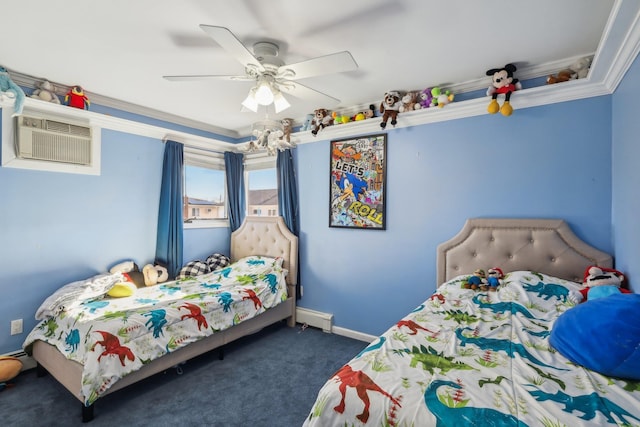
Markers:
212,223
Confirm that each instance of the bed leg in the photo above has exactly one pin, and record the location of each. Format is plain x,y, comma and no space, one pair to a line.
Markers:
221,353
87,413
40,371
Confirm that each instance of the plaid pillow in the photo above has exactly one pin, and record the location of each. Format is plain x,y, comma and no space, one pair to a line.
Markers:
216,261
192,269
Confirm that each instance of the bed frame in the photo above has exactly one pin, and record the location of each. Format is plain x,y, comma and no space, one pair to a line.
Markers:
267,236
543,245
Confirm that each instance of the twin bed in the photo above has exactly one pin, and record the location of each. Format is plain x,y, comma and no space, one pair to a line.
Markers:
98,346
468,357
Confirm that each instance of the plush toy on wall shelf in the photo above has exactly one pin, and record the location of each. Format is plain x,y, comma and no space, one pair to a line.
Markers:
426,98
321,119
366,114
287,125
410,102
339,119
10,90
46,92
502,83
577,70
77,98
390,107
440,97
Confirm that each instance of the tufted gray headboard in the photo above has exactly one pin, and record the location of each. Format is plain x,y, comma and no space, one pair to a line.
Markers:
267,236
542,245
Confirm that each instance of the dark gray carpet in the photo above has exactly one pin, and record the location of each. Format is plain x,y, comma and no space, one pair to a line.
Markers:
270,378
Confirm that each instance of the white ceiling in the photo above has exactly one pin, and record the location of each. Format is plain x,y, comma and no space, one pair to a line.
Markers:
119,50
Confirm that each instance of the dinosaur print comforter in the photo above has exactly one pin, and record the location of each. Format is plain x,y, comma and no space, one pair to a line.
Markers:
476,358
112,337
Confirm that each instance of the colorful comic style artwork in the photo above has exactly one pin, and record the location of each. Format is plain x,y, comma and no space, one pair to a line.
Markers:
357,182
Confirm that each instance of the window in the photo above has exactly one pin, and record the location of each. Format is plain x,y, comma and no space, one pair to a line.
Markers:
262,192
204,192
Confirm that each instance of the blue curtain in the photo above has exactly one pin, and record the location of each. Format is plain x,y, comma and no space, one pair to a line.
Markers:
170,222
288,197
234,168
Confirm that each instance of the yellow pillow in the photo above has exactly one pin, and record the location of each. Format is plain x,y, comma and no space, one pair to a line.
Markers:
122,289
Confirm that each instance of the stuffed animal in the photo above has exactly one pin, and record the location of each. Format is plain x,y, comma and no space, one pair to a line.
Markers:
440,98
321,119
307,123
287,125
503,83
154,274
410,102
76,98
339,119
389,108
562,76
10,90
366,114
600,282
494,278
426,98
46,92
577,70
476,280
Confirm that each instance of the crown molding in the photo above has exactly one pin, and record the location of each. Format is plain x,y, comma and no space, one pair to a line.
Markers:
618,49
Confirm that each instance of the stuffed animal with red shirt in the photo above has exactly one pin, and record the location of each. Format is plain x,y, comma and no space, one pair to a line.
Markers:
77,98
601,282
502,83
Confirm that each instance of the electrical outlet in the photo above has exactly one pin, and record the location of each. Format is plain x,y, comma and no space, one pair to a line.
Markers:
16,327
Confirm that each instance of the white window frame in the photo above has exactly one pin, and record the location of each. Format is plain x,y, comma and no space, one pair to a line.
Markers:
254,162
209,160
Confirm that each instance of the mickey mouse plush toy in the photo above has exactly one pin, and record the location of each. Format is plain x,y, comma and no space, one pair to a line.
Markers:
503,83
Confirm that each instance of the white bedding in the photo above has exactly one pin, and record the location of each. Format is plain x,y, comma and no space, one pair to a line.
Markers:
112,337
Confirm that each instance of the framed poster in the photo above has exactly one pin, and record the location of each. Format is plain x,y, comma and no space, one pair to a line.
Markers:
358,172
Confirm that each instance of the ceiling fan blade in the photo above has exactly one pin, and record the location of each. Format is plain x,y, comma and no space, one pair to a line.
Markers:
229,42
334,63
304,92
207,77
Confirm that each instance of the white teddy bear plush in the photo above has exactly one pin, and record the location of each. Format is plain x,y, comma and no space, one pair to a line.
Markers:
46,92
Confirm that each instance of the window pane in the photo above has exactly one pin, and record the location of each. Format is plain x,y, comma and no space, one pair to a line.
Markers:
204,194
262,199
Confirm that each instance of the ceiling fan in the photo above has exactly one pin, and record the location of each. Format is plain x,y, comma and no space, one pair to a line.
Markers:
270,74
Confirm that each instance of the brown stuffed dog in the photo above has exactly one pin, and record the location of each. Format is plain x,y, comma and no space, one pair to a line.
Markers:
389,108
321,119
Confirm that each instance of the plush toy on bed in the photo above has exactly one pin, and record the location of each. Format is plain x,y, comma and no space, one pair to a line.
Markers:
601,334
476,280
502,82
601,282
494,278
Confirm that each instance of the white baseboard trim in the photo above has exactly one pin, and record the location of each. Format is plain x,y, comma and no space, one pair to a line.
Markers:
353,334
27,361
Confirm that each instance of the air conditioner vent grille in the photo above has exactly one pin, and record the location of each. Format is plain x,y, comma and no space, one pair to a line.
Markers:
61,148
67,128
54,141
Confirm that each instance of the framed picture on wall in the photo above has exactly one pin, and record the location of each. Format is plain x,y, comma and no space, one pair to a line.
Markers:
357,182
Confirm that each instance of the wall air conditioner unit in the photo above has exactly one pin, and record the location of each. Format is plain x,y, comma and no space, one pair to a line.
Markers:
53,140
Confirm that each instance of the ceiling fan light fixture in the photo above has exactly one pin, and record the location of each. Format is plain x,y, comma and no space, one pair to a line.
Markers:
250,101
280,103
264,93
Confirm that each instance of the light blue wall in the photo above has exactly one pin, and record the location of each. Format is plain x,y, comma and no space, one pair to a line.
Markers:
56,228
550,162
626,175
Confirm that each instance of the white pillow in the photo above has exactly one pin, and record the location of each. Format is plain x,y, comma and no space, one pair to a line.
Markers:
76,293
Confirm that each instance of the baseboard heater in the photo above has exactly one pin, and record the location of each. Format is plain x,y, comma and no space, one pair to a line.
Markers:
314,318
27,361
